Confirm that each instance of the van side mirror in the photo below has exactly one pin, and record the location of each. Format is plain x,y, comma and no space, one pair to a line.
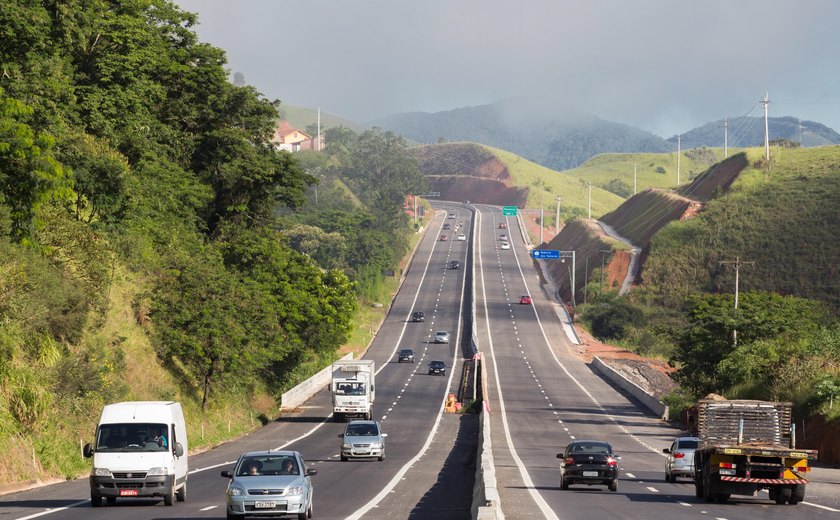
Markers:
87,451
179,449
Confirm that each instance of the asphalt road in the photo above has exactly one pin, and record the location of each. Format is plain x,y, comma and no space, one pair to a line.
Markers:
541,397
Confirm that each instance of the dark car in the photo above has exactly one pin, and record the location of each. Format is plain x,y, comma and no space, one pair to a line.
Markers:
590,463
455,264
446,226
437,368
406,355
418,316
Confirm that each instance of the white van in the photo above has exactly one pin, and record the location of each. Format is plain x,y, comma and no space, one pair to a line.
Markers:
140,451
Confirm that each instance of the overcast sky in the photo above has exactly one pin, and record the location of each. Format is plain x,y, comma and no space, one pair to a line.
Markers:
663,65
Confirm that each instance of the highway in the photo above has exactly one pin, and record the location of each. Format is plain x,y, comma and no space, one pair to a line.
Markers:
541,395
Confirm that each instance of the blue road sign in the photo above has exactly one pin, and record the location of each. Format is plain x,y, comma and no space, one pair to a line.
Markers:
544,253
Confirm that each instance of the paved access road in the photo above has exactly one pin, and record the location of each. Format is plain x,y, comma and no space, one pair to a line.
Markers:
427,472
543,396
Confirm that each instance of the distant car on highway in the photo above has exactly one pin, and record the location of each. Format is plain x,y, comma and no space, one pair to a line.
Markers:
441,336
437,368
462,237
406,355
452,215
281,478
502,225
362,439
590,463
680,461
444,238
525,300
455,264
505,245
446,225
503,237
418,316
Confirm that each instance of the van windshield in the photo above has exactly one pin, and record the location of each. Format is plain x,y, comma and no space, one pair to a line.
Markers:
123,437
350,389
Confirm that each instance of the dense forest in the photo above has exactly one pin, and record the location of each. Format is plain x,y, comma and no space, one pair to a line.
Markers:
128,160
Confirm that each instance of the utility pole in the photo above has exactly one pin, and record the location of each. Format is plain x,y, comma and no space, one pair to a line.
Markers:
725,137
766,101
318,145
737,265
590,200
542,221
601,283
415,209
557,218
585,277
678,160
634,178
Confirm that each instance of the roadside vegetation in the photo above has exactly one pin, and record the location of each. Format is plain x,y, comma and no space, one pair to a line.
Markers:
154,244
783,341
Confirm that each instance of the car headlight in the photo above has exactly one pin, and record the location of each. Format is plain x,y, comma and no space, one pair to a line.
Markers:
235,491
376,445
346,446
294,491
102,472
155,472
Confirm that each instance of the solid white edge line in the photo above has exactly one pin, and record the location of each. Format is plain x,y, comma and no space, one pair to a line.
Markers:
55,510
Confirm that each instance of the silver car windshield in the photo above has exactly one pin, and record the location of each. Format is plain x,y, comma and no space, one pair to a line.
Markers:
268,465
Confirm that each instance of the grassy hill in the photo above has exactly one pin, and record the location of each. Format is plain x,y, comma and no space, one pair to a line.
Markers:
782,216
300,118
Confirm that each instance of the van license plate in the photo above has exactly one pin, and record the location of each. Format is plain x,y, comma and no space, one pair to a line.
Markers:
590,473
128,492
263,505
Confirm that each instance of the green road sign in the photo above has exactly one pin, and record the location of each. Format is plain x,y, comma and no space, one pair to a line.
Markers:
509,211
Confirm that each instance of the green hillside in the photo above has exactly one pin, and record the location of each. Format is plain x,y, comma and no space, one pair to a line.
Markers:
301,118
653,170
784,218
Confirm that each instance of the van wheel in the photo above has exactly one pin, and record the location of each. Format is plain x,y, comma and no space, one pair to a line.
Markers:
95,500
181,494
169,497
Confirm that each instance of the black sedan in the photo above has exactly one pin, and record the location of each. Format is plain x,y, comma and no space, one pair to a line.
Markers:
590,463
437,368
418,316
406,355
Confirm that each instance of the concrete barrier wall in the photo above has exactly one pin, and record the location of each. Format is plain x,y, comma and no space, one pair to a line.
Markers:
298,395
651,402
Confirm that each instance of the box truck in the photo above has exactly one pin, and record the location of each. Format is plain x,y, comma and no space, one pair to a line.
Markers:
353,390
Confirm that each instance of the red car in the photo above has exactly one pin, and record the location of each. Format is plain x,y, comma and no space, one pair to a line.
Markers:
525,300
502,225
444,238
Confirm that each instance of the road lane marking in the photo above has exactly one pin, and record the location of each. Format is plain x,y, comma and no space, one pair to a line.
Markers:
208,508
55,510
652,489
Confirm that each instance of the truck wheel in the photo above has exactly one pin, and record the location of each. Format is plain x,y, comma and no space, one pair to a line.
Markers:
95,500
698,488
707,489
181,494
797,495
783,495
338,417
722,497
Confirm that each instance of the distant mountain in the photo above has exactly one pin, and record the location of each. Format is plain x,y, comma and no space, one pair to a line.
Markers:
556,137
749,131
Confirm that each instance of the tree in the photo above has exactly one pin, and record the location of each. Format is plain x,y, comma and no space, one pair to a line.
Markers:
29,173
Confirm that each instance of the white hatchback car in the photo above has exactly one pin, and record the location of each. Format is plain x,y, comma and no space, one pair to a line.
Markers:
441,336
462,237
505,245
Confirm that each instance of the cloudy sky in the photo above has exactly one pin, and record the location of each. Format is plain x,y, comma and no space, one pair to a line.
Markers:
662,65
